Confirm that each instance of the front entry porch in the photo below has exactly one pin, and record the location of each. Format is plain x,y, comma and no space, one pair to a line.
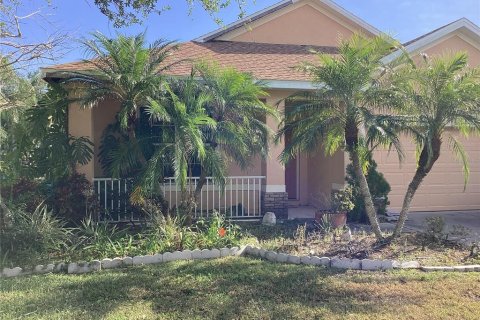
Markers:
310,178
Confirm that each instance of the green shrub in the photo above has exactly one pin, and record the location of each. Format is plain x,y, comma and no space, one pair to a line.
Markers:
29,238
24,194
379,189
72,199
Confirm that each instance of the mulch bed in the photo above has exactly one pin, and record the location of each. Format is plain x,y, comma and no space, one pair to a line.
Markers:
307,238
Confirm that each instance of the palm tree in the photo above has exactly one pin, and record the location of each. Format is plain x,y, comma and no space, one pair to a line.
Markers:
441,93
240,132
128,70
340,113
201,119
181,111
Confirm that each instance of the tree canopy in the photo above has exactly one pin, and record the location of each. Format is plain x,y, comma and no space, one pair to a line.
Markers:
127,12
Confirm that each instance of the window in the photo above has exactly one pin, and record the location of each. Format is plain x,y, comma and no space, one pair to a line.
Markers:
160,133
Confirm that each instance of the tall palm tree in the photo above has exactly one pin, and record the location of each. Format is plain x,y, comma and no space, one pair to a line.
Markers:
340,114
125,69
441,93
240,132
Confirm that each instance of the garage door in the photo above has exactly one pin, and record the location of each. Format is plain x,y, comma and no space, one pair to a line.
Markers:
443,189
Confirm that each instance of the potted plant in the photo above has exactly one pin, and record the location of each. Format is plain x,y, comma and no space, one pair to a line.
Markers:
341,202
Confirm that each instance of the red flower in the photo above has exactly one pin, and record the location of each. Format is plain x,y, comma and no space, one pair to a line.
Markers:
222,232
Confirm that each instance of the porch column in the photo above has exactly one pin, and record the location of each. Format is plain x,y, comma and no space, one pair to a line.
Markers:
80,124
275,195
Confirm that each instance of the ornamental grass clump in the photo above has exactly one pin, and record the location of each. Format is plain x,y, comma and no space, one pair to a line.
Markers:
29,238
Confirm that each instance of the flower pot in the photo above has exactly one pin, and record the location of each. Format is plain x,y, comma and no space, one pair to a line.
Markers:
337,219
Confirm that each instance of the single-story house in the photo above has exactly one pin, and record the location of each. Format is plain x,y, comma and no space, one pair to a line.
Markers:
269,44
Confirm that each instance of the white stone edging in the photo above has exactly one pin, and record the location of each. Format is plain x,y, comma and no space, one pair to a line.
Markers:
105,264
347,263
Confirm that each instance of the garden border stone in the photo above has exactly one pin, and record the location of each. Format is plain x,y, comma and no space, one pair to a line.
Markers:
271,256
346,263
406,264
41,269
13,272
95,265
225,252
282,257
112,263
151,259
137,260
127,261
197,254
368,264
293,259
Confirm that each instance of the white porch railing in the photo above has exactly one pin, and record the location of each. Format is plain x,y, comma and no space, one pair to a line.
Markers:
239,199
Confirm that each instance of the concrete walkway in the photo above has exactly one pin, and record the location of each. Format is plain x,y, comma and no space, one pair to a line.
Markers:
468,219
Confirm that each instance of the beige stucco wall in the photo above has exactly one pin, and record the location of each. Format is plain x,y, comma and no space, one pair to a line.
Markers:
318,27
325,173
452,44
80,124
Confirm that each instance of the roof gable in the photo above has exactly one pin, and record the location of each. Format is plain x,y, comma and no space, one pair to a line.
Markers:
460,35
311,22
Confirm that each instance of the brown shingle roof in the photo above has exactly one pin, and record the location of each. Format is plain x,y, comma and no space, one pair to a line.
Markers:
264,61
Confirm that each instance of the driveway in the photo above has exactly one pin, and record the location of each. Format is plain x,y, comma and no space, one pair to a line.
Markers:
415,222
467,219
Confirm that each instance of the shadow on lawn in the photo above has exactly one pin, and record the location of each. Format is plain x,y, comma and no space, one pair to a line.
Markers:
220,289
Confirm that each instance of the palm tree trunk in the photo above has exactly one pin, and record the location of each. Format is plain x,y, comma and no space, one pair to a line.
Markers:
351,140
201,182
425,164
365,192
412,188
132,136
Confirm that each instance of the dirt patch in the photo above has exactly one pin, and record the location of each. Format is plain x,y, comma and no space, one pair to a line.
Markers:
308,238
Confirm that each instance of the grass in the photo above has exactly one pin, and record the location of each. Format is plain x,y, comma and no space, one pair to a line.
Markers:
241,288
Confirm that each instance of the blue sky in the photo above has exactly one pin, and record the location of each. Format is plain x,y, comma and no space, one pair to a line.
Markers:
405,19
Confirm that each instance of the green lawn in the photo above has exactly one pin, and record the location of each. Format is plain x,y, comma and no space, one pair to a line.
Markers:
241,288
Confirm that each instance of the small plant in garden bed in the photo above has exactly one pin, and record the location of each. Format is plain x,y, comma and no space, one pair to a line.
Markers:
340,203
